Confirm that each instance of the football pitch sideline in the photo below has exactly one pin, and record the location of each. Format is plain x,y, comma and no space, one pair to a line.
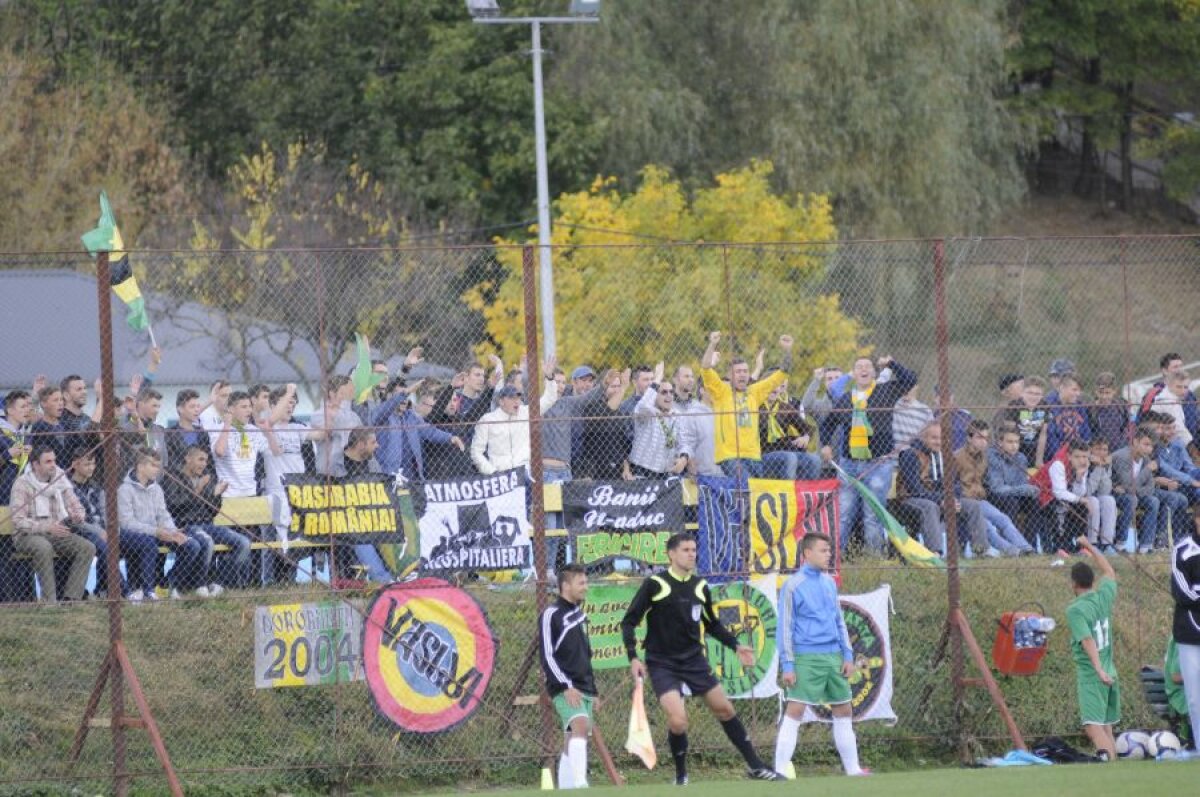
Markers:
1061,780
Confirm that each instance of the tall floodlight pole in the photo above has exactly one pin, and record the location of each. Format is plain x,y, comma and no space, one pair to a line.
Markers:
487,12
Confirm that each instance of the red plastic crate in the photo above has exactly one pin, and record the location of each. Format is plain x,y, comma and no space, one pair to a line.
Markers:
1006,656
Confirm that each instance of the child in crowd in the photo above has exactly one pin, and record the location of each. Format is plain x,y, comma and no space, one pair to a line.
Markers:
1109,413
1069,419
1074,488
1030,413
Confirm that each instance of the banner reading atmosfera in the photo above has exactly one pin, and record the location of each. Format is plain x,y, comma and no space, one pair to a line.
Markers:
475,523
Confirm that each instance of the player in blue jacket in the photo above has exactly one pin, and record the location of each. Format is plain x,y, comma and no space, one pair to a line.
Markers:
815,657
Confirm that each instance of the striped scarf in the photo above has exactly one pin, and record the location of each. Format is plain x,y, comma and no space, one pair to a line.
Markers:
860,424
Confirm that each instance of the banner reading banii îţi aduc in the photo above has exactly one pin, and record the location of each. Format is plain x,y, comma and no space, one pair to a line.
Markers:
630,520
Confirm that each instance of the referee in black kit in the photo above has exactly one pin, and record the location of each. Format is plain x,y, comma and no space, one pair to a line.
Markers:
677,601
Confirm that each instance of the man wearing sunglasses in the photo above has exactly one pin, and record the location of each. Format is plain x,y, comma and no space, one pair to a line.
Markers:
662,445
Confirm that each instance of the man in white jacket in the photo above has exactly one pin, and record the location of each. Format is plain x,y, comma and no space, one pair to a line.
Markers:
501,440
45,513
1071,485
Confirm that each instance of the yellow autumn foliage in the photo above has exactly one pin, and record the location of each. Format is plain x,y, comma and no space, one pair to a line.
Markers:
736,257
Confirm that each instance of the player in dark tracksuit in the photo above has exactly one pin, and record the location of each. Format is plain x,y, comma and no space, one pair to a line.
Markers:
675,603
566,656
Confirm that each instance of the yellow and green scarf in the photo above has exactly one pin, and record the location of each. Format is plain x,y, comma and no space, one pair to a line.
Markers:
860,424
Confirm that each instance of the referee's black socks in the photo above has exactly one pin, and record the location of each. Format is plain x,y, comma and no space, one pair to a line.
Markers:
678,742
736,732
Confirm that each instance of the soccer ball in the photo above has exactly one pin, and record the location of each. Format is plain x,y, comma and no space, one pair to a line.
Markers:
1134,745
1166,743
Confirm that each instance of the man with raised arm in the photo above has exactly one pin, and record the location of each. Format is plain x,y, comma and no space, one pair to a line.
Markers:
736,404
1089,617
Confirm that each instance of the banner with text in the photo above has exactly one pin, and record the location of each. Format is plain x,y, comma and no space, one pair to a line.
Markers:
605,606
868,623
747,609
475,523
354,509
720,536
305,644
781,513
630,520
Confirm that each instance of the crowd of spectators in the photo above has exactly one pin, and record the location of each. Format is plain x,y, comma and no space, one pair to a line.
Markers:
1051,462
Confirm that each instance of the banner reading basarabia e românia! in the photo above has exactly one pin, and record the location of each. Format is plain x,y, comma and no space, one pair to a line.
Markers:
355,509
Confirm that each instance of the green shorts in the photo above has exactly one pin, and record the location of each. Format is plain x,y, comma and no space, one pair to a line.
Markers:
819,680
566,713
1099,703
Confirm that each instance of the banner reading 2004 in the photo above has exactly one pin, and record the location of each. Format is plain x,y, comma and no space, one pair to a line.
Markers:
429,652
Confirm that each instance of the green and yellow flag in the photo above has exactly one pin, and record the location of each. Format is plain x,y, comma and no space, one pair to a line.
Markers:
913,552
106,237
364,378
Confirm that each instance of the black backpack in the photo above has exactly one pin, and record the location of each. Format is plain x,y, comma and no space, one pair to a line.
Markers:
1055,749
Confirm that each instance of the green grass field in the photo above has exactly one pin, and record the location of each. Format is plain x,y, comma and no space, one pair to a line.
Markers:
1085,780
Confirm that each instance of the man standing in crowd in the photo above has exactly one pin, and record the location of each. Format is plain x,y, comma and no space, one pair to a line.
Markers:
403,431
501,438
211,417
142,430
566,655
1170,363
46,514
75,398
1011,387
49,428
861,424
1089,618
1185,589
736,404
695,414
332,423
815,657
456,410
660,448
675,604
15,443
190,431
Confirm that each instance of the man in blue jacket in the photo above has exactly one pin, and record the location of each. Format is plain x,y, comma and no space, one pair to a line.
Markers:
860,423
401,430
815,657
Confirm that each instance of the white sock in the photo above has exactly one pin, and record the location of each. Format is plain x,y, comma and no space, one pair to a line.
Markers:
577,753
847,744
785,742
565,780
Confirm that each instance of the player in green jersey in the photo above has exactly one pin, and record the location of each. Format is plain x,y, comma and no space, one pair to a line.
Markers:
1089,617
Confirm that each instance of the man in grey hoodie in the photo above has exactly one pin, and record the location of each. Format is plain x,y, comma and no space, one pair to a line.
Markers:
142,512
45,513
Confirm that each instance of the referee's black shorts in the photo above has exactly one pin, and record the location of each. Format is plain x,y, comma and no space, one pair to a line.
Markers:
691,676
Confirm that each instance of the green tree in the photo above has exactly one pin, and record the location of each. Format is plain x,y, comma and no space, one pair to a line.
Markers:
60,146
1094,59
892,109
619,304
441,109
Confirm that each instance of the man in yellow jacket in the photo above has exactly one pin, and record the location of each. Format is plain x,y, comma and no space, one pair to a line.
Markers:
735,408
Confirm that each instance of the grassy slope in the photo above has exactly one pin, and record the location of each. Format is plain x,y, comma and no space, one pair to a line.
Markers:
195,661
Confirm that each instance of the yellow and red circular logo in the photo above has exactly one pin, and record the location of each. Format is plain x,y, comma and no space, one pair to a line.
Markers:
429,653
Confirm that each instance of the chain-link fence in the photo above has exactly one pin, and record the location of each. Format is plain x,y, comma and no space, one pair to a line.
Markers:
296,429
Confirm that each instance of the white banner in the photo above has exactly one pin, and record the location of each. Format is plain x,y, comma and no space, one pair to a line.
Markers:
748,609
867,619
475,523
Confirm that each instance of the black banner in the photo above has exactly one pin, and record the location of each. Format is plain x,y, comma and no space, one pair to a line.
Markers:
625,519
358,509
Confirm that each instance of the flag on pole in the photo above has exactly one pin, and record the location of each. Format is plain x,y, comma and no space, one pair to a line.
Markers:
639,742
106,237
364,378
913,552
